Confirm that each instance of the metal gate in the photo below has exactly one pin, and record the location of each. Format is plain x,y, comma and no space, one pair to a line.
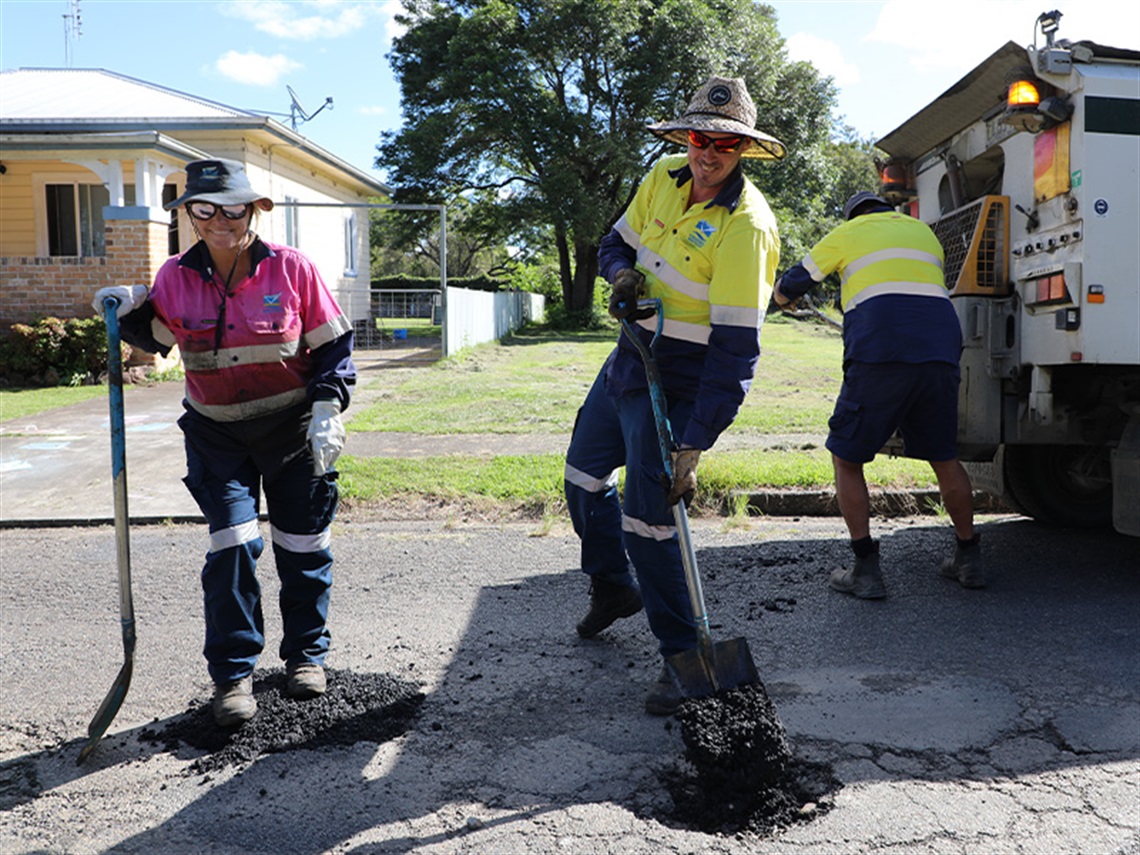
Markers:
407,326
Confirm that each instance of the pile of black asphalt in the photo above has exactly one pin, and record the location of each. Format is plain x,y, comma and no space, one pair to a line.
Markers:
737,775
355,708
740,776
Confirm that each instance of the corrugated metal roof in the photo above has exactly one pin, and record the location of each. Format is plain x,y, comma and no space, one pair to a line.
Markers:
78,94
93,100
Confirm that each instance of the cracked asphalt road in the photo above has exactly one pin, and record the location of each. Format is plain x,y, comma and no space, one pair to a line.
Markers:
1003,720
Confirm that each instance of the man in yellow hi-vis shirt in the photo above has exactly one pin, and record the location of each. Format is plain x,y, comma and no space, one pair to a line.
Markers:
700,237
901,345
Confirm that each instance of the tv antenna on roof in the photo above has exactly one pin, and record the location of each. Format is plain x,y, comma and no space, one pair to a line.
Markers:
72,29
296,111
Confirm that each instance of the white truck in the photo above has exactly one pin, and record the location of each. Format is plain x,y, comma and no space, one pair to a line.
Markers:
1028,170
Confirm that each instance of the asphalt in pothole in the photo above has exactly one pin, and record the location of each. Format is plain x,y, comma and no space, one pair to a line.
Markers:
740,775
354,708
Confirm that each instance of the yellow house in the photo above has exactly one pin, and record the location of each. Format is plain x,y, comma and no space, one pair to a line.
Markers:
87,158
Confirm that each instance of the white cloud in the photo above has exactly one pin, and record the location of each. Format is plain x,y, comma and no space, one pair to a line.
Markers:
373,110
392,29
973,29
254,68
306,20
825,55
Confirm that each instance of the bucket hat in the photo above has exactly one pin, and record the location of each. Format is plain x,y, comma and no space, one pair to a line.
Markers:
860,199
722,105
222,182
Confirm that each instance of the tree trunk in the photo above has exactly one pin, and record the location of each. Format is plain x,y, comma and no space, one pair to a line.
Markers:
565,272
585,273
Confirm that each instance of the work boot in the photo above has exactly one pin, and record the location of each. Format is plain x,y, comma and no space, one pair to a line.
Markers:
664,698
234,703
608,602
966,566
864,580
304,679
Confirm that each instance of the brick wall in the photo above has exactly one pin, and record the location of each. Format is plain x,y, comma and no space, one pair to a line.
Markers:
63,286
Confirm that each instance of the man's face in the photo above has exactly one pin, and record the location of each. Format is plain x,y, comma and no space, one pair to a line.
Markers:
711,165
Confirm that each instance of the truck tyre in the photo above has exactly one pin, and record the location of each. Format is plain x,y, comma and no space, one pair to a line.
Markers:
1061,485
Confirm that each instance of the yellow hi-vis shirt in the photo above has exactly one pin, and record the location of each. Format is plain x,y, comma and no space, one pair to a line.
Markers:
713,265
881,253
709,266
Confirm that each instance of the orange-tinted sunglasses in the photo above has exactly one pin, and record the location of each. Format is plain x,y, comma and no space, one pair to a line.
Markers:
725,145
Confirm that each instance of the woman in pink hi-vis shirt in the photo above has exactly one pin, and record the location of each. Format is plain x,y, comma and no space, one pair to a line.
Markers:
268,359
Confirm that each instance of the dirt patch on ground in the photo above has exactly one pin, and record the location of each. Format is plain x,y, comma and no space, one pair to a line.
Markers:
355,708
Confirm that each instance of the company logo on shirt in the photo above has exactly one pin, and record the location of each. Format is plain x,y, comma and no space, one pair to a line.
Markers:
703,231
271,302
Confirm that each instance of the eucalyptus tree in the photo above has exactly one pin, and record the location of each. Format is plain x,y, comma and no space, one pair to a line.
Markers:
536,110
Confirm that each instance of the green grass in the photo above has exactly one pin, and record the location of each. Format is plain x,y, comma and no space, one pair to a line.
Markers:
533,483
21,403
535,381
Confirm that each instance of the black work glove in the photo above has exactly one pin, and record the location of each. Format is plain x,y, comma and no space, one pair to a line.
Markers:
684,475
629,284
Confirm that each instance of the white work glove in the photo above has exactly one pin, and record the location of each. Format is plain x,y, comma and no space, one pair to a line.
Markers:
326,435
130,297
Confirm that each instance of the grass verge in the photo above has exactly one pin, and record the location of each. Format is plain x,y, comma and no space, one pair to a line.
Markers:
21,403
534,382
531,485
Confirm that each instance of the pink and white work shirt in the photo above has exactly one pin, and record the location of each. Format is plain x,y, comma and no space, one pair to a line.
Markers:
259,361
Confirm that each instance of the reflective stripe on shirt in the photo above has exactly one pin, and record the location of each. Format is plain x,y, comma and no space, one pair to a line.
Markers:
916,289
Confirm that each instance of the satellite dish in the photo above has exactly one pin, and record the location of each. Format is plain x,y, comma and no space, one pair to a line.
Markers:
297,114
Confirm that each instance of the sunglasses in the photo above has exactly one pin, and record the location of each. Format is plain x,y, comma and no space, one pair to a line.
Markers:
206,210
726,145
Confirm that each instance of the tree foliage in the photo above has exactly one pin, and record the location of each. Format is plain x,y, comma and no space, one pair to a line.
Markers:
535,110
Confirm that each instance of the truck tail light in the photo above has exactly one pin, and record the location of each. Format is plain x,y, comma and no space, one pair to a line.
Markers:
1048,289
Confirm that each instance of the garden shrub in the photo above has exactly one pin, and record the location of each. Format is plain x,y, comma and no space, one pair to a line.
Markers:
55,352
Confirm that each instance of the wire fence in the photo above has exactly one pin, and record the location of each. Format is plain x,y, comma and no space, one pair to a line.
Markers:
400,320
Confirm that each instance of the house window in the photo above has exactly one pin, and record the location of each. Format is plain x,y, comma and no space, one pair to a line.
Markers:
75,224
75,218
292,221
350,244
169,194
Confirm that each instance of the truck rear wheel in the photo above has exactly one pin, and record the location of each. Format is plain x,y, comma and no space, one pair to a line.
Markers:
1062,485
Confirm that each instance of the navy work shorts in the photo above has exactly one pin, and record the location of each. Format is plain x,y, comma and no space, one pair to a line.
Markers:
920,400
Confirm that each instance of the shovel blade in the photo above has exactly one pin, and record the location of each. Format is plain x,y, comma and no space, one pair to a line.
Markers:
107,710
730,668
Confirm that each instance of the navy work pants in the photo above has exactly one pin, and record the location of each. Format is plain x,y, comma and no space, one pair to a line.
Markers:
301,507
610,433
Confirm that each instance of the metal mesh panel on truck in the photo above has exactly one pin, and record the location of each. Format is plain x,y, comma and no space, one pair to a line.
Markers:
975,240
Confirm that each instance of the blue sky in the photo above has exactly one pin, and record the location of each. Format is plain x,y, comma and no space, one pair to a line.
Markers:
889,58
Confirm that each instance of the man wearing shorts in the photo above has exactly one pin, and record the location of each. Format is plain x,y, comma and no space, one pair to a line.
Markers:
901,345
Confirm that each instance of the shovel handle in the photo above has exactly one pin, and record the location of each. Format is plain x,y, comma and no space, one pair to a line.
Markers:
119,467
680,514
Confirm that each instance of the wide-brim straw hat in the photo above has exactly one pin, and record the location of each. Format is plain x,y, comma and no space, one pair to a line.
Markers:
222,182
722,105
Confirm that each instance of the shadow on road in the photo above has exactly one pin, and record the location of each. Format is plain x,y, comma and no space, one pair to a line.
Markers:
521,719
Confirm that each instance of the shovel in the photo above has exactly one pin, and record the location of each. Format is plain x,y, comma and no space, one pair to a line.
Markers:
118,691
709,667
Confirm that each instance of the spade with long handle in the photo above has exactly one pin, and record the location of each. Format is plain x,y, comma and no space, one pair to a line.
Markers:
118,691
711,666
